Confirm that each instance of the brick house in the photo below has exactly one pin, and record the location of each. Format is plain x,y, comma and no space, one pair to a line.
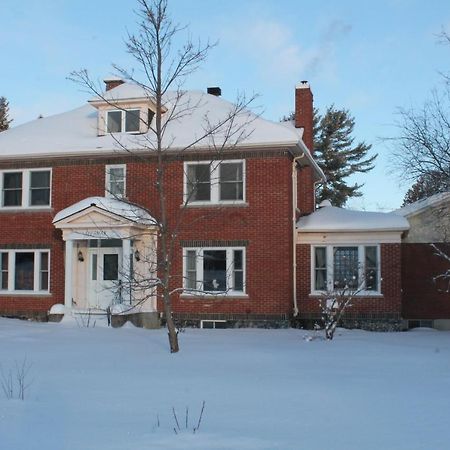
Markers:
426,302
242,257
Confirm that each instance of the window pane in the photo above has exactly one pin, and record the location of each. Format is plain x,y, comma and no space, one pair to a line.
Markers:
191,269
40,197
116,179
199,182
371,272
320,257
231,183
238,260
238,281
114,121
12,189
4,271
320,280
12,180
132,120
215,270
24,271
43,282
94,267
40,179
346,267
110,267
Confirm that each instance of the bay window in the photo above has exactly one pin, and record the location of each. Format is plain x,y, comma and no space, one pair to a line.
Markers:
349,267
214,270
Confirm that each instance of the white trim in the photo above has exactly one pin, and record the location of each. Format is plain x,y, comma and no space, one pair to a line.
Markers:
351,238
108,168
214,183
36,272
330,267
199,272
122,120
26,190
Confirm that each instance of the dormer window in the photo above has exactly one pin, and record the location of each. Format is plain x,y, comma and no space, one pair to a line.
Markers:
119,121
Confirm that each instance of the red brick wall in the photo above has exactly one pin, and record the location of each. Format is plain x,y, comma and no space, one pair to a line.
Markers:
388,304
265,222
421,297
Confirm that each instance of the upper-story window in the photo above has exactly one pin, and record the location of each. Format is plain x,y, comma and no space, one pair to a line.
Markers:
26,188
215,182
127,121
116,181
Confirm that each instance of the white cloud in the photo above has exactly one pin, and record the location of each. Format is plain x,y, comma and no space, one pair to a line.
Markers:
278,51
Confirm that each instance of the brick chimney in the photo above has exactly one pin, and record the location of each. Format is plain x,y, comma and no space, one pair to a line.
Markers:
112,83
304,113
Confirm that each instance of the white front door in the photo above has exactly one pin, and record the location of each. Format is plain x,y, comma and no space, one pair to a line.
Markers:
104,288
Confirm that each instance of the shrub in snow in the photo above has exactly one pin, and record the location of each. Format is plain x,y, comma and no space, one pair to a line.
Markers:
15,381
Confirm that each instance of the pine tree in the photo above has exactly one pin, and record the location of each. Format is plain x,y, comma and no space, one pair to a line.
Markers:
4,111
338,156
427,185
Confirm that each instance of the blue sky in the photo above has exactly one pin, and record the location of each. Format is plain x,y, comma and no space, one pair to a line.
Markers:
369,57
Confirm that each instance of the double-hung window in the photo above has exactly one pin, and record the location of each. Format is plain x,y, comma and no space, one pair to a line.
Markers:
119,121
116,181
26,188
24,271
346,267
214,270
214,182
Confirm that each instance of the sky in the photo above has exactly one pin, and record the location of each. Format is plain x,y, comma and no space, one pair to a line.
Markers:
368,57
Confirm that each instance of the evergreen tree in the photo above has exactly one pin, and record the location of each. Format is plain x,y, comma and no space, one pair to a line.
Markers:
338,156
427,185
4,111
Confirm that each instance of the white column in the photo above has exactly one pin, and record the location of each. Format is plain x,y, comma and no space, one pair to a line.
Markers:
68,274
126,249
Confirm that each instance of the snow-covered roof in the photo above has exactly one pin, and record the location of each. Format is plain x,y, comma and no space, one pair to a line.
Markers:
333,219
75,132
419,206
120,208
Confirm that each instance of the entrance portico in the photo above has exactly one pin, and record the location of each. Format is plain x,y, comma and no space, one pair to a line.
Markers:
109,245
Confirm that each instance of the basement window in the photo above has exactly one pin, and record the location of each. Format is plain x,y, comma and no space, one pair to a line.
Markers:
213,324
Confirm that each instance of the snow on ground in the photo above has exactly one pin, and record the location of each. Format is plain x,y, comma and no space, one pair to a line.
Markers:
102,388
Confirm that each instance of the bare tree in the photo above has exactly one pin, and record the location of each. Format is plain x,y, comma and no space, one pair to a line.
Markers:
422,147
161,71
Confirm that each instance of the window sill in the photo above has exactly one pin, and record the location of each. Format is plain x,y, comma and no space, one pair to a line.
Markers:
359,295
24,209
24,294
207,296
215,205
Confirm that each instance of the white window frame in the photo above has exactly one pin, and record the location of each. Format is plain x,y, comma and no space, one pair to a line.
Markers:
330,267
123,120
199,272
36,273
108,168
215,183
26,189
